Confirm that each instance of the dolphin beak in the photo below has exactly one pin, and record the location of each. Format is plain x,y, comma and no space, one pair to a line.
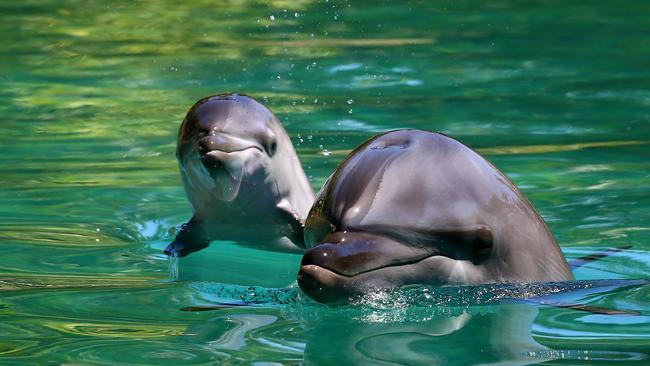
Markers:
324,285
331,272
222,151
228,159
352,254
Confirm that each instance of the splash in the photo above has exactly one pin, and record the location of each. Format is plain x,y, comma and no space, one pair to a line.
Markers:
430,296
417,303
253,295
172,264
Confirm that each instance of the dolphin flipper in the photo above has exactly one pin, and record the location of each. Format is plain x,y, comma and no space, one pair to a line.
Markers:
189,239
295,226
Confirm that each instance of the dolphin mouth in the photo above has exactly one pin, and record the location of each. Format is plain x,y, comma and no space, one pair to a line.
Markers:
216,158
325,286
353,253
364,267
230,151
351,264
223,143
332,288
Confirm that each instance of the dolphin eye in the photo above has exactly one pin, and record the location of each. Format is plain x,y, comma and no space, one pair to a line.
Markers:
202,131
269,141
272,148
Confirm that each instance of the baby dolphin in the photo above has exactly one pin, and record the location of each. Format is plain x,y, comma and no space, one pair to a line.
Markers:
242,177
415,207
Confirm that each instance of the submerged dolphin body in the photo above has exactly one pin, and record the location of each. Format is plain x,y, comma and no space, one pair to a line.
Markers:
415,207
242,177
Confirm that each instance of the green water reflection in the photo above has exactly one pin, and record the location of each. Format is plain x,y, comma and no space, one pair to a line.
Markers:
92,93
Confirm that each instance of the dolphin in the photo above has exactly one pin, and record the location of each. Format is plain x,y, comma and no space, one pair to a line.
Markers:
242,177
414,207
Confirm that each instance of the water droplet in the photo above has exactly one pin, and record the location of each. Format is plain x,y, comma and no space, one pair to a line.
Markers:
172,264
350,101
272,18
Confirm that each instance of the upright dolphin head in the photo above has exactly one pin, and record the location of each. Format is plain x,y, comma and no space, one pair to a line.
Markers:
414,207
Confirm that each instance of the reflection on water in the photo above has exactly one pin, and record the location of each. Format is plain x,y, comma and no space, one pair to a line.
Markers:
497,334
494,335
555,94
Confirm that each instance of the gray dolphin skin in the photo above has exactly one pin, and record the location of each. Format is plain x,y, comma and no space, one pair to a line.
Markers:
415,207
242,177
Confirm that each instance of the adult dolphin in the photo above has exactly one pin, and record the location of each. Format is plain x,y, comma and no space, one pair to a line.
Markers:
242,177
416,207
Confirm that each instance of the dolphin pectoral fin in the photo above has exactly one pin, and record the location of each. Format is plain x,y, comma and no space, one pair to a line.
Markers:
294,226
190,238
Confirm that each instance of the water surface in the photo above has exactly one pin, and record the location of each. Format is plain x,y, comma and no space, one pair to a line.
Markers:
91,96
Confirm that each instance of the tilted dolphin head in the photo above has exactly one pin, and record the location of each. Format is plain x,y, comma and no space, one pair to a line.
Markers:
414,207
241,175
224,141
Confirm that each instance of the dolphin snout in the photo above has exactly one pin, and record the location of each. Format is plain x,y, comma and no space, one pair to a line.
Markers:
350,254
324,285
222,151
347,263
345,260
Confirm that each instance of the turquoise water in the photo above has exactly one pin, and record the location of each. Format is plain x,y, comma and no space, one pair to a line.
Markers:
91,96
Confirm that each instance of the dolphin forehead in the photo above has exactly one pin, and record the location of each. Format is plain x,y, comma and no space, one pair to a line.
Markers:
232,114
413,179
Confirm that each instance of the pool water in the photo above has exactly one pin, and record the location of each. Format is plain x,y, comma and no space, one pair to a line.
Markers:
556,94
